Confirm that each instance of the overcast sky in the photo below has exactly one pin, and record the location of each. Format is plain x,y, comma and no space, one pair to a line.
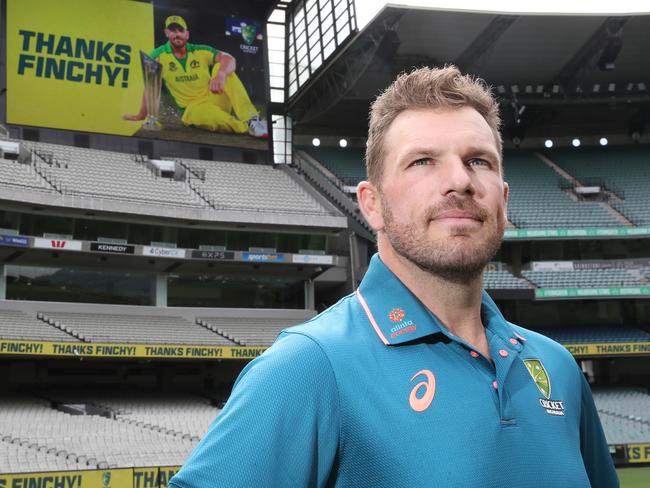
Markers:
367,9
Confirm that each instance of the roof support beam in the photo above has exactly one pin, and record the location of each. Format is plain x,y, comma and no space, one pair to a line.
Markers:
585,58
470,59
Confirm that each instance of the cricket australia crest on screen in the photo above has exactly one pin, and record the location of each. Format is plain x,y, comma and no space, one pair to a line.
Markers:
543,382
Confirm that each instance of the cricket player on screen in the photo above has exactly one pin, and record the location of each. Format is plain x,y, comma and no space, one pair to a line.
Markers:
204,85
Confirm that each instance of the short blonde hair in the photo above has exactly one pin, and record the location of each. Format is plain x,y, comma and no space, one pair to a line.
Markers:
434,88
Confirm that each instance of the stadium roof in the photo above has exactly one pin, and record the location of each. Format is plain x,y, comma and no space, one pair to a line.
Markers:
559,67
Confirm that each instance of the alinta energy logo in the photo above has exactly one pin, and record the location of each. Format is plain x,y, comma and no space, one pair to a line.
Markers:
402,326
396,315
543,382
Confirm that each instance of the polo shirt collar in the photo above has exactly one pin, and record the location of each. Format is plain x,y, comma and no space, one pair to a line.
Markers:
398,316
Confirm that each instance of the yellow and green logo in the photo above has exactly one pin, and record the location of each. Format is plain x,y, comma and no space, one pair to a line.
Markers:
540,376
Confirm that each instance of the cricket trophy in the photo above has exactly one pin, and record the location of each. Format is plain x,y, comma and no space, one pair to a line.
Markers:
152,72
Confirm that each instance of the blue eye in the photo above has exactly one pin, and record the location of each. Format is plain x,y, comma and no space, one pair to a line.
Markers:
421,162
481,162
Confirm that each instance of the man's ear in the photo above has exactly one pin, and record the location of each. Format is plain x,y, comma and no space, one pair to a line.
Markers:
369,200
506,192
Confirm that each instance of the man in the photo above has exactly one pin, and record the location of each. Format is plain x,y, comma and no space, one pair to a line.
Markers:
203,83
416,379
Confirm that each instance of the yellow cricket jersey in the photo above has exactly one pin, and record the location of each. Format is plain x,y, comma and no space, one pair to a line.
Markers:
187,79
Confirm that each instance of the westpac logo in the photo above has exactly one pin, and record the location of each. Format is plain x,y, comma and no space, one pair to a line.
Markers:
60,244
402,326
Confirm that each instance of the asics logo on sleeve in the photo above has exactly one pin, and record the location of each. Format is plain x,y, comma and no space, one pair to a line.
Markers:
429,384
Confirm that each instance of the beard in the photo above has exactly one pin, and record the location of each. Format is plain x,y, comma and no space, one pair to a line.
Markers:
449,256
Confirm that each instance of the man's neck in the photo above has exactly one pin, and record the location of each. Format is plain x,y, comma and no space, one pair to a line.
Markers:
179,52
456,305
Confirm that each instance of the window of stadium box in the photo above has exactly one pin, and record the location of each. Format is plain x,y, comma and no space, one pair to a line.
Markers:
79,285
188,238
237,291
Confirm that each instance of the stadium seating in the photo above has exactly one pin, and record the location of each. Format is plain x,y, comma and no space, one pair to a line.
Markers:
138,329
19,175
185,416
251,187
503,279
624,413
55,440
109,174
16,325
585,278
246,331
346,163
624,169
595,334
537,201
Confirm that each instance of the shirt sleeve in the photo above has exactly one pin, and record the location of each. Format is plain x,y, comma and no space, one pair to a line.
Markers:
280,426
593,445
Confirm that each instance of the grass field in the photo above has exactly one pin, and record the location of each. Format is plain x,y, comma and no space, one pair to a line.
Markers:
634,477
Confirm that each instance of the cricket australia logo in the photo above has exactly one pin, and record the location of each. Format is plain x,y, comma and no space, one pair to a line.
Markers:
538,372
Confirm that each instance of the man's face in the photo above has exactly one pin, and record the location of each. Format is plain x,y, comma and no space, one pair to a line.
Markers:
177,36
442,196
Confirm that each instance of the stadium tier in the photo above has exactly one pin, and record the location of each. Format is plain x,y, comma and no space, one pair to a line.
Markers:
232,327
346,163
253,187
21,176
188,185
108,174
37,436
595,334
586,278
539,196
622,171
537,200
624,413
17,325
137,329
245,331
503,279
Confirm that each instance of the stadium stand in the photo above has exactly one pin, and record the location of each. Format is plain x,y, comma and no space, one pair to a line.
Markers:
595,334
109,174
138,329
585,278
503,279
246,331
536,199
622,169
19,175
624,413
17,325
346,163
79,441
251,187
185,416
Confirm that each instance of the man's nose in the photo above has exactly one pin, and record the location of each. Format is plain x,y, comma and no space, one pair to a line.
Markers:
457,177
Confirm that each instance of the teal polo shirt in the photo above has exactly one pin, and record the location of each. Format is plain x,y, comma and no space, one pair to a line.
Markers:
376,392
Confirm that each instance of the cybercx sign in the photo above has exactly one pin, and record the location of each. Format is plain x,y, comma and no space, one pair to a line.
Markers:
57,244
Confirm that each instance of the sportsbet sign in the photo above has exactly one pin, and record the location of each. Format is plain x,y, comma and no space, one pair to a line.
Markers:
75,64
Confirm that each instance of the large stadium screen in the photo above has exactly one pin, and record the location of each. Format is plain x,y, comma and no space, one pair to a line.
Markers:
163,70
